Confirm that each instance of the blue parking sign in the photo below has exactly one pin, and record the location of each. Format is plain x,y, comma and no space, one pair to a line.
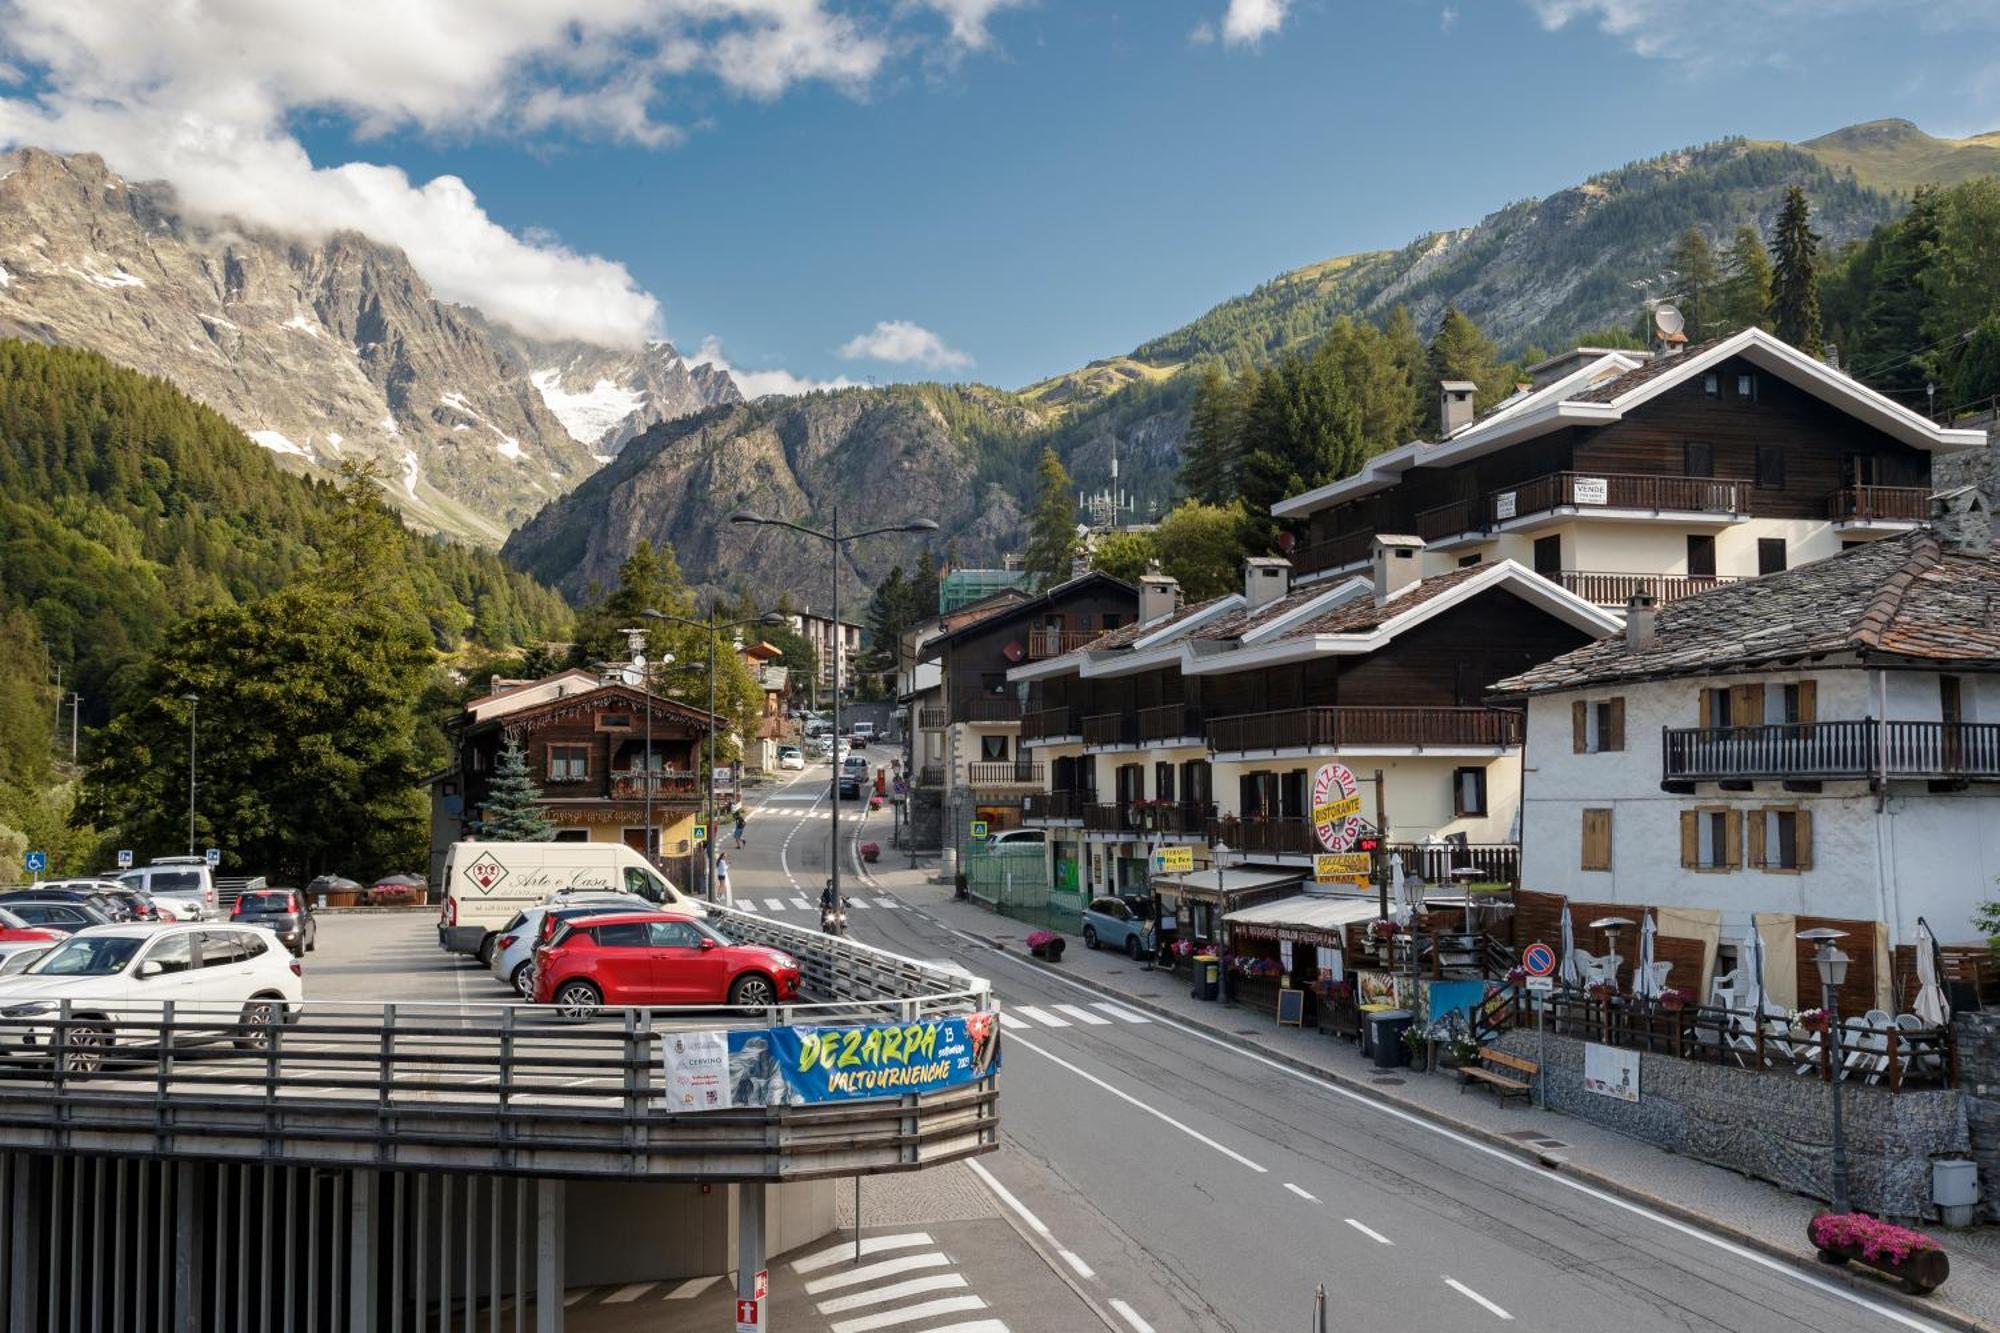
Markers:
125,858
213,857
37,862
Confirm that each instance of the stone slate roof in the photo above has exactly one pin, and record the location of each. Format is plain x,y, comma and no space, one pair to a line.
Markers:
1241,621
1127,635
1611,390
1910,596
1362,616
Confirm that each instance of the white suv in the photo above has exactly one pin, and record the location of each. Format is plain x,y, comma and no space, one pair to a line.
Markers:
184,881
228,983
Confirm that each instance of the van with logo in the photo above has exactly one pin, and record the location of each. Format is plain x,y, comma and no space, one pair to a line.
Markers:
486,883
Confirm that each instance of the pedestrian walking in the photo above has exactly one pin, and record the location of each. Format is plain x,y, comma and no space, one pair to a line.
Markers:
722,876
739,830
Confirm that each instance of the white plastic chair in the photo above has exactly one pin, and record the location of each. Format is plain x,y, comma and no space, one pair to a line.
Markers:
1604,971
1586,963
1659,976
1925,1061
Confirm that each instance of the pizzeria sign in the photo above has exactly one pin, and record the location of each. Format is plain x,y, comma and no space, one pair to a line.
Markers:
1336,807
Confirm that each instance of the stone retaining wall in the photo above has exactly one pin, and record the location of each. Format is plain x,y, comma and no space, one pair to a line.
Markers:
1772,1126
1979,1081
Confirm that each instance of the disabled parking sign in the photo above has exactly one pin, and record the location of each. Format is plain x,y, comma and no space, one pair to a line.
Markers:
37,862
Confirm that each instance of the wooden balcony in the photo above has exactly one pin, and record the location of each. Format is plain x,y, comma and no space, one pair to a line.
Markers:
1150,819
1042,807
931,777
1102,818
1108,729
1809,751
1049,723
1438,863
1270,836
1618,589
1331,552
1893,504
1450,520
988,708
1586,491
631,784
1055,642
933,717
1005,773
1376,728
1169,722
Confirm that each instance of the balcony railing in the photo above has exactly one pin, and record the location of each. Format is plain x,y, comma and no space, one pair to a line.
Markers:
931,776
986,708
1581,490
1101,818
1331,552
1491,862
1055,642
1008,773
1814,750
1043,806
1169,722
1449,520
933,717
1146,818
631,786
1044,723
1293,836
1108,729
1902,504
1335,728
1618,589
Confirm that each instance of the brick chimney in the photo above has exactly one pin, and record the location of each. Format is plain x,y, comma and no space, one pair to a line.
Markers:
1265,579
1398,563
1159,597
1454,406
1642,622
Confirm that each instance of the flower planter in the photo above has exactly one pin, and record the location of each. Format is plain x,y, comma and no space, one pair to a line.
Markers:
1046,945
1910,1257
342,897
870,851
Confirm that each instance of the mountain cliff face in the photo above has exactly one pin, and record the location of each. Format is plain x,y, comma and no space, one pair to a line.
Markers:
323,350
881,455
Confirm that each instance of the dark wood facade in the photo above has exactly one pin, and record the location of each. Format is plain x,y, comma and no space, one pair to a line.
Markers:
976,659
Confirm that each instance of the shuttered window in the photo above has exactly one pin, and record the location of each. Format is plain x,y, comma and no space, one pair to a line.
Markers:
1596,840
1778,839
1711,839
1468,791
1597,726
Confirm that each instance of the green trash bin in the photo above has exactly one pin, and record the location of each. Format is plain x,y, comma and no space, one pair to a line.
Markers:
1207,977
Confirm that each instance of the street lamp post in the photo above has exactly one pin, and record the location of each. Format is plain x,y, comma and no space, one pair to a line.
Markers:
835,539
193,701
1832,964
708,786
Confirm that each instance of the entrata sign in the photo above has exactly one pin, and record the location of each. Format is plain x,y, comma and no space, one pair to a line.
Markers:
1341,868
1336,807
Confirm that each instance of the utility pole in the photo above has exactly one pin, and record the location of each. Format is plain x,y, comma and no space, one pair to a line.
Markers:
75,703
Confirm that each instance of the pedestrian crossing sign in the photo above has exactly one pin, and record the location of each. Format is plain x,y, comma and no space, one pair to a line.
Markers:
979,830
700,833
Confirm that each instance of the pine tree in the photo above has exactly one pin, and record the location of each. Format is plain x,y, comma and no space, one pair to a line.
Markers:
1700,284
1460,351
1746,292
513,810
1795,283
924,587
1211,460
1052,525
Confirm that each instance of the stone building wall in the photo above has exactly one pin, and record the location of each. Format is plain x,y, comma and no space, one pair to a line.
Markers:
1979,1081
1772,1126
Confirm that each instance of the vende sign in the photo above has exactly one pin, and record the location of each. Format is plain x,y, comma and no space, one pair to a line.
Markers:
1336,807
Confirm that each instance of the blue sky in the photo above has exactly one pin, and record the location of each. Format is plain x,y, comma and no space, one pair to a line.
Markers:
990,189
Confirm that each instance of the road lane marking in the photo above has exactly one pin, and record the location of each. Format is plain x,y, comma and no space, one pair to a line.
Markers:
1470,1294
1042,1016
972,1326
1127,1097
895,1291
746,904
1301,1193
626,1295
693,1287
833,1254
775,904
1119,1012
802,904
910,1314
1131,1316
861,903
871,1272
889,903
1075,1261
1008,1021
1368,1231
1006,1196
1082,1015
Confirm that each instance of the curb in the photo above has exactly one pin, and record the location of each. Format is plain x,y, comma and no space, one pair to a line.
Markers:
1878,1289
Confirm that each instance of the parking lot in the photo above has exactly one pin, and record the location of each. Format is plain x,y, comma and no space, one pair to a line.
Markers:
393,955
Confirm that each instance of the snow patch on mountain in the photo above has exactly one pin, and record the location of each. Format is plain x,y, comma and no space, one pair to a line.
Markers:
590,415
278,444
303,325
456,401
410,473
4,279
117,278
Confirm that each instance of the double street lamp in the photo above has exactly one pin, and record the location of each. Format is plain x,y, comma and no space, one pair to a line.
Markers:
714,629
835,540
1832,964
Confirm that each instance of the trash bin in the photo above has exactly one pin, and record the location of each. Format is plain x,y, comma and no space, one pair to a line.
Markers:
1386,1037
1207,977
1955,1191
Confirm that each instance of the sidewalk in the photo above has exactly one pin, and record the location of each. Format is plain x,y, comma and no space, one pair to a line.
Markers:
1754,1214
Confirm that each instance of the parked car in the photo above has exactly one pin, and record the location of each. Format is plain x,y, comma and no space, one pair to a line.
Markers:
118,975
850,781
185,881
657,958
1124,923
286,913
83,891
14,930
19,940
514,950
486,883
864,731
790,756
21,957
1018,837
50,915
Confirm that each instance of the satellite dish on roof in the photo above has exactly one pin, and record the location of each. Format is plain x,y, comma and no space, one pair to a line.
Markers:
1668,319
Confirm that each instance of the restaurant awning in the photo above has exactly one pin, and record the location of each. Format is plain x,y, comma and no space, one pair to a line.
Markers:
1201,885
1323,912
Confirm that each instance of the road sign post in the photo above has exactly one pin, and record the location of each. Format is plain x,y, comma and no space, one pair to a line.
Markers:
125,858
36,862
979,830
213,856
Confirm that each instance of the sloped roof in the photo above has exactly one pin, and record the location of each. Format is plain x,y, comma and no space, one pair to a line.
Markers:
1244,619
1611,390
1910,596
1362,614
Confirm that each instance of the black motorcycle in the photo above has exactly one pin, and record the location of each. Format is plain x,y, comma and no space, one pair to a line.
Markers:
832,913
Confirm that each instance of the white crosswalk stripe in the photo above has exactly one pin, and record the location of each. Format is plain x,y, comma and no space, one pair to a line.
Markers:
1082,1015
693,1287
889,903
747,904
857,902
834,1254
909,1314
1008,1020
802,904
1042,1016
1119,1012
775,904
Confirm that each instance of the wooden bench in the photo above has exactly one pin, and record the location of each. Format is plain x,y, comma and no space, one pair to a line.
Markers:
1497,1069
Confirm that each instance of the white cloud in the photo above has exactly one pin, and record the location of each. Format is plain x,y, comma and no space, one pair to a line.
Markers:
204,93
757,383
1687,32
1251,21
900,340
1448,18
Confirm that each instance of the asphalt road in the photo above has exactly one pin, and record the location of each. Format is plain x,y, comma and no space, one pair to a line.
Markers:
1192,1185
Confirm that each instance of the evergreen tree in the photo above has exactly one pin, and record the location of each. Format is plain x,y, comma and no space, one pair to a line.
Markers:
924,587
649,579
1211,460
1795,281
1052,525
1700,284
1878,302
891,610
1460,351
513,810
1746,292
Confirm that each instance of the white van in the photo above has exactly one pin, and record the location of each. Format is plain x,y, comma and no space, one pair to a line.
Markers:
486,883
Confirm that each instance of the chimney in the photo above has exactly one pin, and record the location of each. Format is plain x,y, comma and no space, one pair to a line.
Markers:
1398,564
1265,579
1454,406
1159,597
1642,622
1961,520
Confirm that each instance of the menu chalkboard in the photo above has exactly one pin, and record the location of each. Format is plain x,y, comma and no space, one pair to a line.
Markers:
1292,1007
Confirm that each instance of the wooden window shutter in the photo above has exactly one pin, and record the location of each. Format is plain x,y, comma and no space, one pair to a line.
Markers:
1808,701
1746,705
1753,851
1691,834
1805,838
1707,708
1596,840
1579,727
1732,855
1616,710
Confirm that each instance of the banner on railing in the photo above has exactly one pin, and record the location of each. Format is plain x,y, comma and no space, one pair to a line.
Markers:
1610,1071
806,1066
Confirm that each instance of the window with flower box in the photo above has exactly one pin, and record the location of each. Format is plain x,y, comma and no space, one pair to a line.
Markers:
569,763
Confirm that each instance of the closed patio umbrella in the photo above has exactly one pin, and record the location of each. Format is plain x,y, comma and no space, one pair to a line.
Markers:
1931,1006
1572,966
1753,963
1643,985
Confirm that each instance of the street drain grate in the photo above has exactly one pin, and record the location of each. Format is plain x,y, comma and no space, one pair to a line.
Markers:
1387,1082
1248,1032
1524,1135
1147,994
1550,1143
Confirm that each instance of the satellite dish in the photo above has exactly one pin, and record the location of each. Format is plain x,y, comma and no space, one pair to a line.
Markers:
1013,652
1286,541
1668,320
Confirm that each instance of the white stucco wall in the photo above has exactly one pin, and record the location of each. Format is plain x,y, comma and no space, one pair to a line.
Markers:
1631,546
1417,793
1923,854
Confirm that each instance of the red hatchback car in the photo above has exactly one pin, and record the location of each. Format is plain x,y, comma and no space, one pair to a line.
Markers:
656,958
